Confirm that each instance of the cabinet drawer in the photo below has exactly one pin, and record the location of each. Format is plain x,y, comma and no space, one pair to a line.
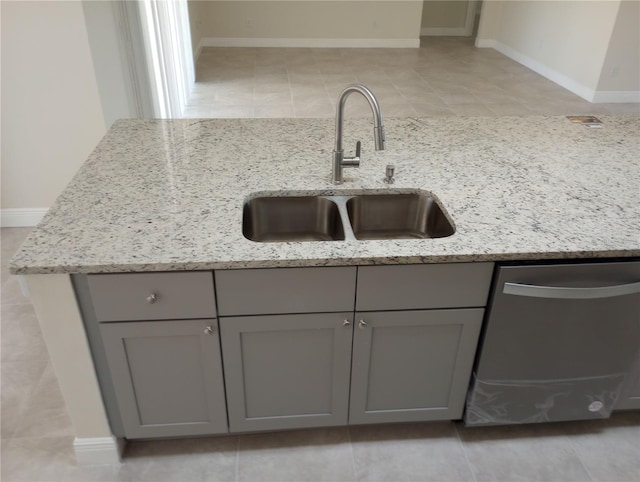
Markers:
422,286
285,290
130,296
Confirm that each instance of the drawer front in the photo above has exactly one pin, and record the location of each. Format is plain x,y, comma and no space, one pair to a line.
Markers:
152,296
285,290
423,286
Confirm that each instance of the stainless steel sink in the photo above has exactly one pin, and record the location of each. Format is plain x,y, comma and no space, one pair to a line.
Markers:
344,217
397,216
303,218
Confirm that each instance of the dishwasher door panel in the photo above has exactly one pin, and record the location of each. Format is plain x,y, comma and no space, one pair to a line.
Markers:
558,343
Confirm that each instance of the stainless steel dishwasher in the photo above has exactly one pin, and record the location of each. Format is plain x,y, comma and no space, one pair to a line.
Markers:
558,344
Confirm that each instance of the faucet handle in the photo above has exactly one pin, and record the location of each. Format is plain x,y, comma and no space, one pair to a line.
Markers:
353,161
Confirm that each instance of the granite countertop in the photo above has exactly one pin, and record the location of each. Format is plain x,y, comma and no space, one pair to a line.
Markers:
161,195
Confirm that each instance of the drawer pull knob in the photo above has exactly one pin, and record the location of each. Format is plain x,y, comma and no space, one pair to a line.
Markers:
346,323
362,324
152,298
208,330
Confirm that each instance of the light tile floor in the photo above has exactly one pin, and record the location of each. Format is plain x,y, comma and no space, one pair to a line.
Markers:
444,77
37,436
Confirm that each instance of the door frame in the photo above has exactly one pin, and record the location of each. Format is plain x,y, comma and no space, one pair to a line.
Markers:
466,31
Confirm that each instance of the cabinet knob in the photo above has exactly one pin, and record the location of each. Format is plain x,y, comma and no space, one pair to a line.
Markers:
208,330
346,323
362,324
152,298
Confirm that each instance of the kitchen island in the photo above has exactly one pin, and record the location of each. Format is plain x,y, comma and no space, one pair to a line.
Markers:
164,196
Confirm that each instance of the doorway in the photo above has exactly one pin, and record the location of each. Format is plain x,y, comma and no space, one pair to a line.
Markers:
451,18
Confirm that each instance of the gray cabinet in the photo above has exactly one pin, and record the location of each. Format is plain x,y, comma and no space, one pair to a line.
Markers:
152,296
285,290
287,344
156,348
303,370
167,377
412,365
287,371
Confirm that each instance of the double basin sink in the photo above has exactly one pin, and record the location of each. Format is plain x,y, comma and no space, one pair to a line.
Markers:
344,217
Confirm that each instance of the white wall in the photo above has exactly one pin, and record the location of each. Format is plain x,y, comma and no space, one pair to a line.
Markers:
105,35
621,67
51,112
299,23
195,24
566,41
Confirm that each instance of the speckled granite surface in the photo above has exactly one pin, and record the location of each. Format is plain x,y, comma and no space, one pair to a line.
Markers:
168,195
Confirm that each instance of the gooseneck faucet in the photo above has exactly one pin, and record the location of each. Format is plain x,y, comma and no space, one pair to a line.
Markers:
339,161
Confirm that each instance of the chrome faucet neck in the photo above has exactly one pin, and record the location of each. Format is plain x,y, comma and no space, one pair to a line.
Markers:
339,161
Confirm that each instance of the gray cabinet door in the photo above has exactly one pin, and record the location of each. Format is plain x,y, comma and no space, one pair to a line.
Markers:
167,377
412,365
287,371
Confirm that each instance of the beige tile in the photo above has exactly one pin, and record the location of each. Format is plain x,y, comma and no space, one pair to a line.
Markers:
37,459
629,108
509,109
409,452
432,109
232,111
266,87
283,110
471,110
459,98
21,335
399,110
202,111
197,459
45,413
11,292
609,449
319,109
301,455
272,98
538,452
19,379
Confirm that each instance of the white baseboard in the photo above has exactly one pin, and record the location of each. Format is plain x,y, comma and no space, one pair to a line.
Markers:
401,43
594,96
99,450
551,74
443,32
485,43
21,217
616,97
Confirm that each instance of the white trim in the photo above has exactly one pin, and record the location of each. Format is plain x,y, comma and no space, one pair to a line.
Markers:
616,97
98,450
401,43
485,43
196,56
551,74
21,217
444,32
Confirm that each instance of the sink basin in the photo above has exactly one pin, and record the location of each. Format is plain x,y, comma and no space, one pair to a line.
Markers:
397,216
303,218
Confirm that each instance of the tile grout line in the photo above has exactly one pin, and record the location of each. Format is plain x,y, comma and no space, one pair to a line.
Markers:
237,457
577,455
353,455
464,452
